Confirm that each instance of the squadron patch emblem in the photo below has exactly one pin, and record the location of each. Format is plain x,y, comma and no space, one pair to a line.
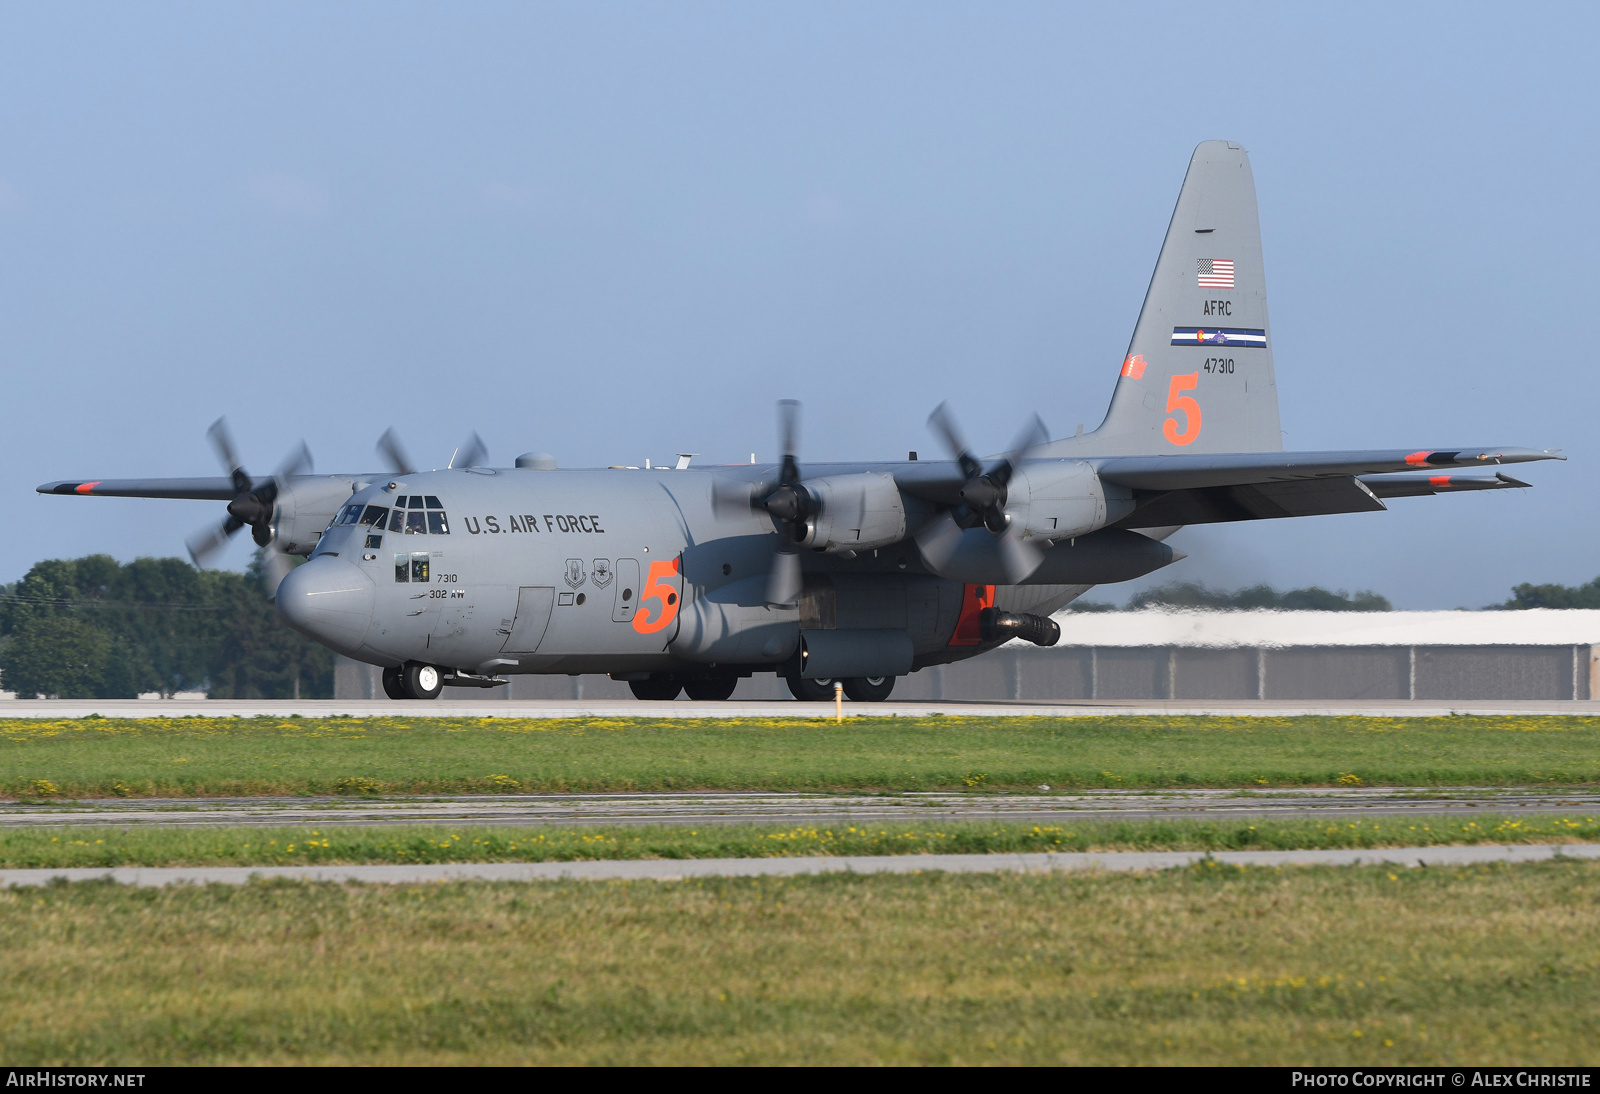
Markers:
602,572
575,575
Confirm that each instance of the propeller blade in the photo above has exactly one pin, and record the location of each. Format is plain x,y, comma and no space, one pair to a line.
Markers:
731,500
275,566
944,424
788,440
471,454
222,444
1033,435
938,542
295,463
394,454
783,580
942,540
1019,557
206,544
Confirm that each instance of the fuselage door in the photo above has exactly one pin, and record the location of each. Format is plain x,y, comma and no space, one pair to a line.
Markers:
533,617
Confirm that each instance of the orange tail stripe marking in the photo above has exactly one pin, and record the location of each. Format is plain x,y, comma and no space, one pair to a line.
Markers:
1438,480
87,487
1417,458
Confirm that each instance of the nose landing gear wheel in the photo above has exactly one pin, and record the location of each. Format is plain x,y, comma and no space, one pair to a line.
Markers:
655,688
422,681
810,691
394,685
716,689
869,689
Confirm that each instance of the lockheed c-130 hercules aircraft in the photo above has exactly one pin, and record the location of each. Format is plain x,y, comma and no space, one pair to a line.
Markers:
687,579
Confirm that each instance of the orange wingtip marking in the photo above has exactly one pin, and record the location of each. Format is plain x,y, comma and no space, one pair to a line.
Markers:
1134,366
87,487
1417,458
1438,480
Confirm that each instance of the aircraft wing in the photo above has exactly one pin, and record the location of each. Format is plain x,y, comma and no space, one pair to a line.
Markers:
217,488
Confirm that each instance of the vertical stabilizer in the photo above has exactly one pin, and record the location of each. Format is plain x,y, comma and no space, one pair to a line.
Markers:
1198,374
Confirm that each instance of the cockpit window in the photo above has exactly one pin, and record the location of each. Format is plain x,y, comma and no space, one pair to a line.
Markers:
414,514
348,515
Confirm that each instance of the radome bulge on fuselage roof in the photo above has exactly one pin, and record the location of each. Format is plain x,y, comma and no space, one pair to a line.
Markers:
687,579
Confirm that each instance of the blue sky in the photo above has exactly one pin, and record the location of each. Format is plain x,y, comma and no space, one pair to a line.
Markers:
618,231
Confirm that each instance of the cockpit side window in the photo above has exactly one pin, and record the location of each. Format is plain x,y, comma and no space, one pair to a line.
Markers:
348,515
436,523
375,515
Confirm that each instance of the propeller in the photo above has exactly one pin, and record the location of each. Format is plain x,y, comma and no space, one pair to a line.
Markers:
983,500
471,454
394,454
984,494
253,504
788,503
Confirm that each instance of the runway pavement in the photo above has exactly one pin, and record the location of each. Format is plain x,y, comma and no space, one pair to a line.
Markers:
758,808
450,707
680,869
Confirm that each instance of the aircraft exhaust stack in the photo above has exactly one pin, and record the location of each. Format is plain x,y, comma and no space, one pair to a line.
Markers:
995,625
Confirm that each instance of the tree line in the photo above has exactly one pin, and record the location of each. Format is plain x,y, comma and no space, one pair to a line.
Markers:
96,628
1189,594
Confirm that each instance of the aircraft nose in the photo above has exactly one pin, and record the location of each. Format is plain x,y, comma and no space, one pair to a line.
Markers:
328,600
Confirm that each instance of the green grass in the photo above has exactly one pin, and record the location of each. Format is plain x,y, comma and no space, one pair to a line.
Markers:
1487,965
323,844
225,757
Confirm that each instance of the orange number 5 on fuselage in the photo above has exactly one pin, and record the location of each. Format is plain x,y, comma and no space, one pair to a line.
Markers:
658,586
1190,408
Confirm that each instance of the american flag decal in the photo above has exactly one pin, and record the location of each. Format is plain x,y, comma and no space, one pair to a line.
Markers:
1216,273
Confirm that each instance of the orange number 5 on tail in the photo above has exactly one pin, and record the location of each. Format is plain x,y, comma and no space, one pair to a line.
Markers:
1190,408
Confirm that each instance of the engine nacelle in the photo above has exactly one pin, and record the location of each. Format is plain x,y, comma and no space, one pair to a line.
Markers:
304,512
855,512
1060,499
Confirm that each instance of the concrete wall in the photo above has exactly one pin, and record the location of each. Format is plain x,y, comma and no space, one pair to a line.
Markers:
1155,672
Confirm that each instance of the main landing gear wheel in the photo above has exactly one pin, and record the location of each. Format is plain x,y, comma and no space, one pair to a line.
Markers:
655,688
810,691
869,689
394,686
717,689
422,681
